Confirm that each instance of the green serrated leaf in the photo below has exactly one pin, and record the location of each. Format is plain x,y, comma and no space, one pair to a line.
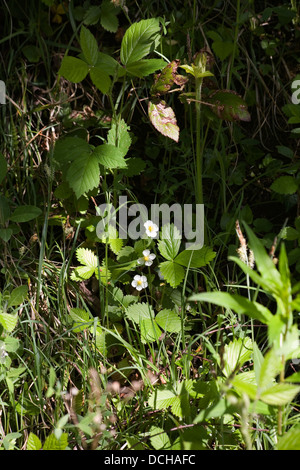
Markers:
84,174
109,20
17,296
52,443
169,321
73,69
80,318
89,46
139,312
119,136
170,240
8,321
109,156
139,40
69,149
33,442
285,185
172,272
145,67
196,258
280,394
101,79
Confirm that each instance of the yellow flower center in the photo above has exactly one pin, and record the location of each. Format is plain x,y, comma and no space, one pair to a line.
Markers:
139,282
146,258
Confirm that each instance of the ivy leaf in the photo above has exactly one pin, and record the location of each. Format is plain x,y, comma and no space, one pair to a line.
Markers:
73,69
163,119
84,174
139,40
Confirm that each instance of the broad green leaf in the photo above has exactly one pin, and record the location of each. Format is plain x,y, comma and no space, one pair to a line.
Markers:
140,311
228,105
69,149
5,234
82,273
87,257
3,167
159,439
8,321
109,65
290,440
92,15
33,442
172,272
168,320
144,67
109,20
109,156
100,79
170,240
119,136
280,394
269,369
245,383
236,353
73,69
17,296
89,46
149,330
163,119
84,174
285,185
195,258
258,359
164,80
139,40
223,49
236,303
216,410
25,213
52,443
81,319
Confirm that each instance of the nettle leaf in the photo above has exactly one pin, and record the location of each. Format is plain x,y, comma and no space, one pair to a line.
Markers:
163,119
145,67
101,79
228,105
84,174
170,240
285,185
110,156
73,69
139,40
89,46
197,258
172,272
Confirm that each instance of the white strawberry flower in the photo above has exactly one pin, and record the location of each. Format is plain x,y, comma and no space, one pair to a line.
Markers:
147,258
139,282
151,228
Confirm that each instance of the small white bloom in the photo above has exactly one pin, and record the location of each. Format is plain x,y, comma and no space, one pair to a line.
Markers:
139,282
151,228
147,258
